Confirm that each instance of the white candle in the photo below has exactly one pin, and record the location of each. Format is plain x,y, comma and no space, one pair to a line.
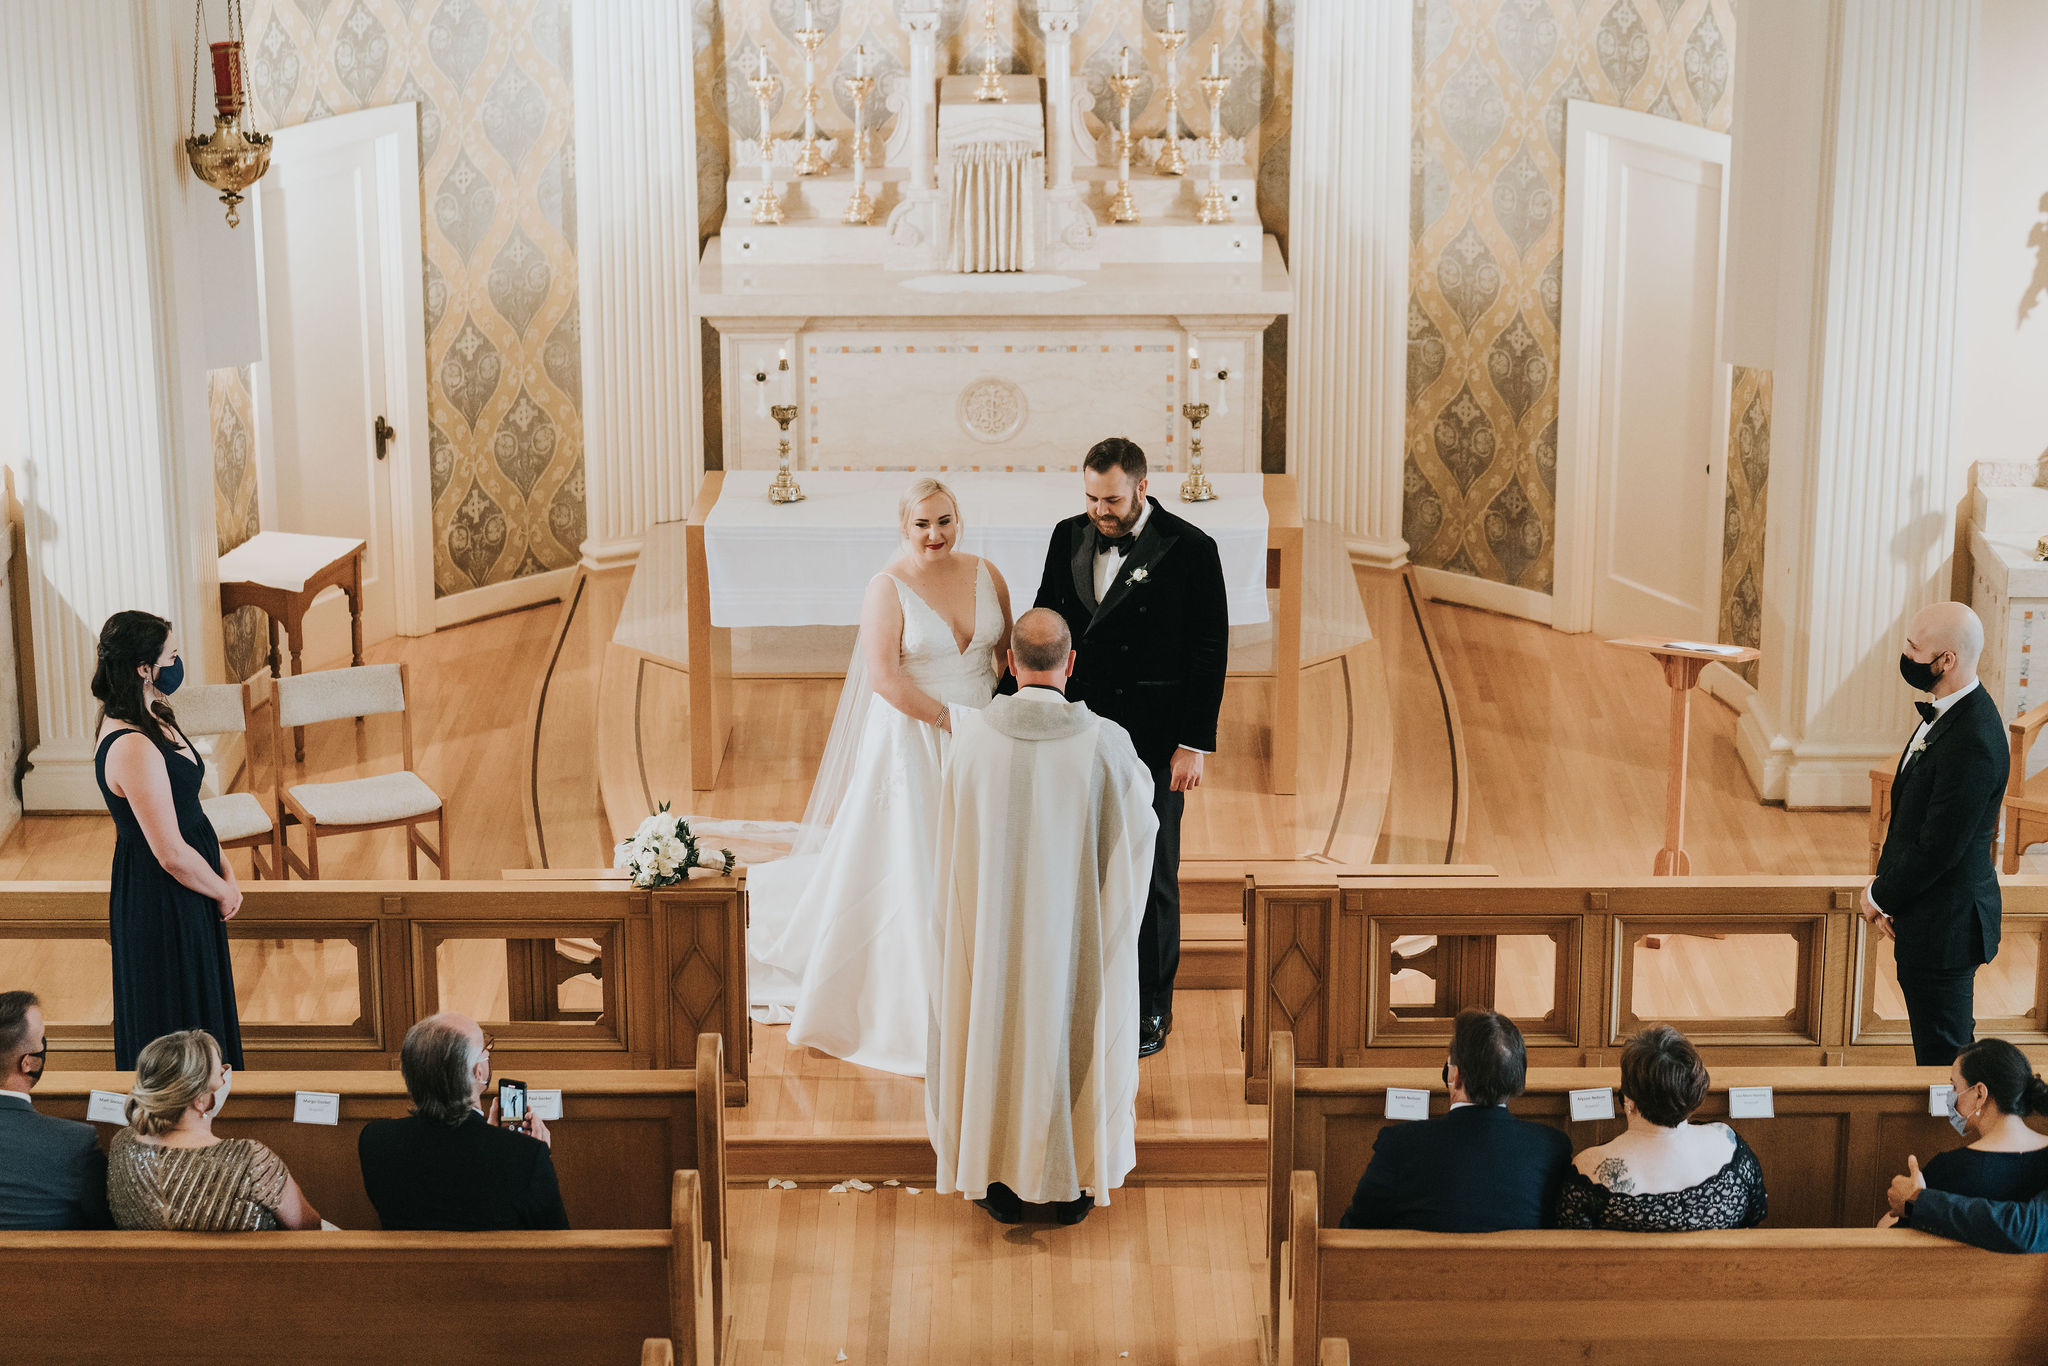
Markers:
764,63
782,364
1215,59
1169,16
1124,63
860,60
809,22
1194,371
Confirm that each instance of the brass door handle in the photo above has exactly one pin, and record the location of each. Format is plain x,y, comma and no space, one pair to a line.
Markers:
383,431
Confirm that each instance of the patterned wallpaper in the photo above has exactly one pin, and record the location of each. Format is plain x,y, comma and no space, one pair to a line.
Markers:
1486,269
231,418
1257,38
1742,528
498,168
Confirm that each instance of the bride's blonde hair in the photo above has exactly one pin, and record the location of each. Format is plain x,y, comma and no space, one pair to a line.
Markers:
924,488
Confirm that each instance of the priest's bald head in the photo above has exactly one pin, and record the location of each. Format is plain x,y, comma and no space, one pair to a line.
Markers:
1041,649
1943,642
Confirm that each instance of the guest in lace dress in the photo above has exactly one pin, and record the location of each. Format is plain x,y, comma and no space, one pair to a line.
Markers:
167,1170
1664,1174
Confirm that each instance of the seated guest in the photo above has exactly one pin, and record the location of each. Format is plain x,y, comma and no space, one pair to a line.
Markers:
1664,1175
1994,1225
168,1172
1478,1169
447,1165
1995,1089
52,1172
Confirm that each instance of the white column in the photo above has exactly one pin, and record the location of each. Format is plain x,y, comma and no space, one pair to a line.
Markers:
1863,432
1348,253
89,210
1058,19
636,202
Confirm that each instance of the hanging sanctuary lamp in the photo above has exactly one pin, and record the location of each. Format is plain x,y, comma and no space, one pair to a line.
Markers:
234,156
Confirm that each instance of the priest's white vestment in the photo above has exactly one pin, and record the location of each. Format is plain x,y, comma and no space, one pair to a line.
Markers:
1044,855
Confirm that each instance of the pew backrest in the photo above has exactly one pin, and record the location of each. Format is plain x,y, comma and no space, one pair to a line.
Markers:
1806,1295
349,1297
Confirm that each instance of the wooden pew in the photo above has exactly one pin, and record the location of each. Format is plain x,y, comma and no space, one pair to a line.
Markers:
1838,1136
1849,1296
621,1138
342,1299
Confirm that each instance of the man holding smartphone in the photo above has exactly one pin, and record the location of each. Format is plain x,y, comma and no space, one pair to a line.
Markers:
450,1165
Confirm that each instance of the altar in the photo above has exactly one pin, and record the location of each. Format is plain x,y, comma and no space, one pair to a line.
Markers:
750,562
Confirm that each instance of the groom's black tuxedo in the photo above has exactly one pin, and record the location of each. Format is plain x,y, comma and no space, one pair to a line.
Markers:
1152,657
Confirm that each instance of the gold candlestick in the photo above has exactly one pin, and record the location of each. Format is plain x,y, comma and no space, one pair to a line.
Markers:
1196,487
860,208
1122,208
1215,206
784,489
1172,161
991,87
767,204
810,158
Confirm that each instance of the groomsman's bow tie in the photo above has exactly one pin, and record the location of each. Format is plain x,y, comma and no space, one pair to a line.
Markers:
1927,711
1121,544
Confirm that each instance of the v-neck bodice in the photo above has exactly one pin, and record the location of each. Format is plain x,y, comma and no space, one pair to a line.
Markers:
931,653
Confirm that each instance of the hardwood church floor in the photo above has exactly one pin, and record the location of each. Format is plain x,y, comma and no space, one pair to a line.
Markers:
1563,744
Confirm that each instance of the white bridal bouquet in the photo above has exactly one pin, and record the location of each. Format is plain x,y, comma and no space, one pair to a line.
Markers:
663,851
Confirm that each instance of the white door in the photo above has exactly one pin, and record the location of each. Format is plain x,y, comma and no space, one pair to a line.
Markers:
338,268
1641,422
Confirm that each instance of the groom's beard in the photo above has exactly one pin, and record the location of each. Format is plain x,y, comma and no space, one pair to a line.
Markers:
1113,527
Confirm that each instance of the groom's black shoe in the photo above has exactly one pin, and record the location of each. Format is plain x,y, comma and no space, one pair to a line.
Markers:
1073,1211
1002,1204
1152,1032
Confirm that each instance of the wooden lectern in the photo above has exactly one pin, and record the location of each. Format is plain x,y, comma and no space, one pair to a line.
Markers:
1682,661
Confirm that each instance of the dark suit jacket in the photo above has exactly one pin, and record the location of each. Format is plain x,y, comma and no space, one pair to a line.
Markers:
1476,1170
52,1172
1936,878
466,1177
1154,651
1998,1225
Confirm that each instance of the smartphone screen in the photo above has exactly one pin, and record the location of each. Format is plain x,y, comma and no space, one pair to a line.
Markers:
511,1102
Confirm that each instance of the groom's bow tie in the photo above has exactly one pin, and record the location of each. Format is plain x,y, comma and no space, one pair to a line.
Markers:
1121,544
1927,711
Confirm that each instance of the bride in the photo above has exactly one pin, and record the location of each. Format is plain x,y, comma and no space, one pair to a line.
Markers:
838,943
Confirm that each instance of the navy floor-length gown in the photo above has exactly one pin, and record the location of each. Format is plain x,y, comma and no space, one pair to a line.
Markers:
171,968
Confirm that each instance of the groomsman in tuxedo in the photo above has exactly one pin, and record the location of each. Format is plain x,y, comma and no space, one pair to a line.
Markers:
1142,592
1936,890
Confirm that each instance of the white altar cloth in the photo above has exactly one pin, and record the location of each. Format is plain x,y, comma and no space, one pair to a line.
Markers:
808,563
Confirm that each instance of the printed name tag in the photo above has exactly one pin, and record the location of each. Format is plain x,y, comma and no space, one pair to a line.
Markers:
1937,1098
1595,1102
1750,1102
107,1107
1406,1103
546,1104
316,1107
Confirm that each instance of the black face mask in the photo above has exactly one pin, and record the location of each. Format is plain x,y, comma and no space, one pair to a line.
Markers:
1447,1076
1919,677
42,1057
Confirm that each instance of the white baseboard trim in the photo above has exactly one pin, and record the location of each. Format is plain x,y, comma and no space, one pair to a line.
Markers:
1766,756
1724,684
600,555
1444,586
457,608
60,779
1373,553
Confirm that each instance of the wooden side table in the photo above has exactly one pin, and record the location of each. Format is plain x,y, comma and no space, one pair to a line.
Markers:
1682,661
280,573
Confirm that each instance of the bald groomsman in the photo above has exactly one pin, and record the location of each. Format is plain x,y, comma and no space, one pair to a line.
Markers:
1936,890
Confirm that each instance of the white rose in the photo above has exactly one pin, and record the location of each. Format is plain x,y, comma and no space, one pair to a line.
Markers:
654,825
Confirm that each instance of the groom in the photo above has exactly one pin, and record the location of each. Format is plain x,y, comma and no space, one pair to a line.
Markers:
1142,592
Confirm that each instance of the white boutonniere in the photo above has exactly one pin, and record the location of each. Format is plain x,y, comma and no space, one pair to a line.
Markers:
1140,574
1918,746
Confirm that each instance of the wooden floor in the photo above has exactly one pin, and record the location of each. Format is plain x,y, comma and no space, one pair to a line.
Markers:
1560,772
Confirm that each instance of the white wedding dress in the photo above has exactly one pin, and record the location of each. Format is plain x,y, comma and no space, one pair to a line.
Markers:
841,939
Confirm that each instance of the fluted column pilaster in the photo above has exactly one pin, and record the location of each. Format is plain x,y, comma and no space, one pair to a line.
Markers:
1348,253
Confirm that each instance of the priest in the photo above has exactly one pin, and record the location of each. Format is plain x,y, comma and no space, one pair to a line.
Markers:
1046,834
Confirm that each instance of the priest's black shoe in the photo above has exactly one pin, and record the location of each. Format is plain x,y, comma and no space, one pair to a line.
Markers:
1002,1204
1073,1211
1152,1032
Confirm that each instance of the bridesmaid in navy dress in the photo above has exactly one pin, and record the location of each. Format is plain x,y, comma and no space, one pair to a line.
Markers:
172,893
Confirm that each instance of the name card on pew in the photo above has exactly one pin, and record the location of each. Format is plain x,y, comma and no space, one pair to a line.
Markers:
1750,1102
1938,1096
547,1104
1404,1102
1595,1102
111,1107
316,1107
